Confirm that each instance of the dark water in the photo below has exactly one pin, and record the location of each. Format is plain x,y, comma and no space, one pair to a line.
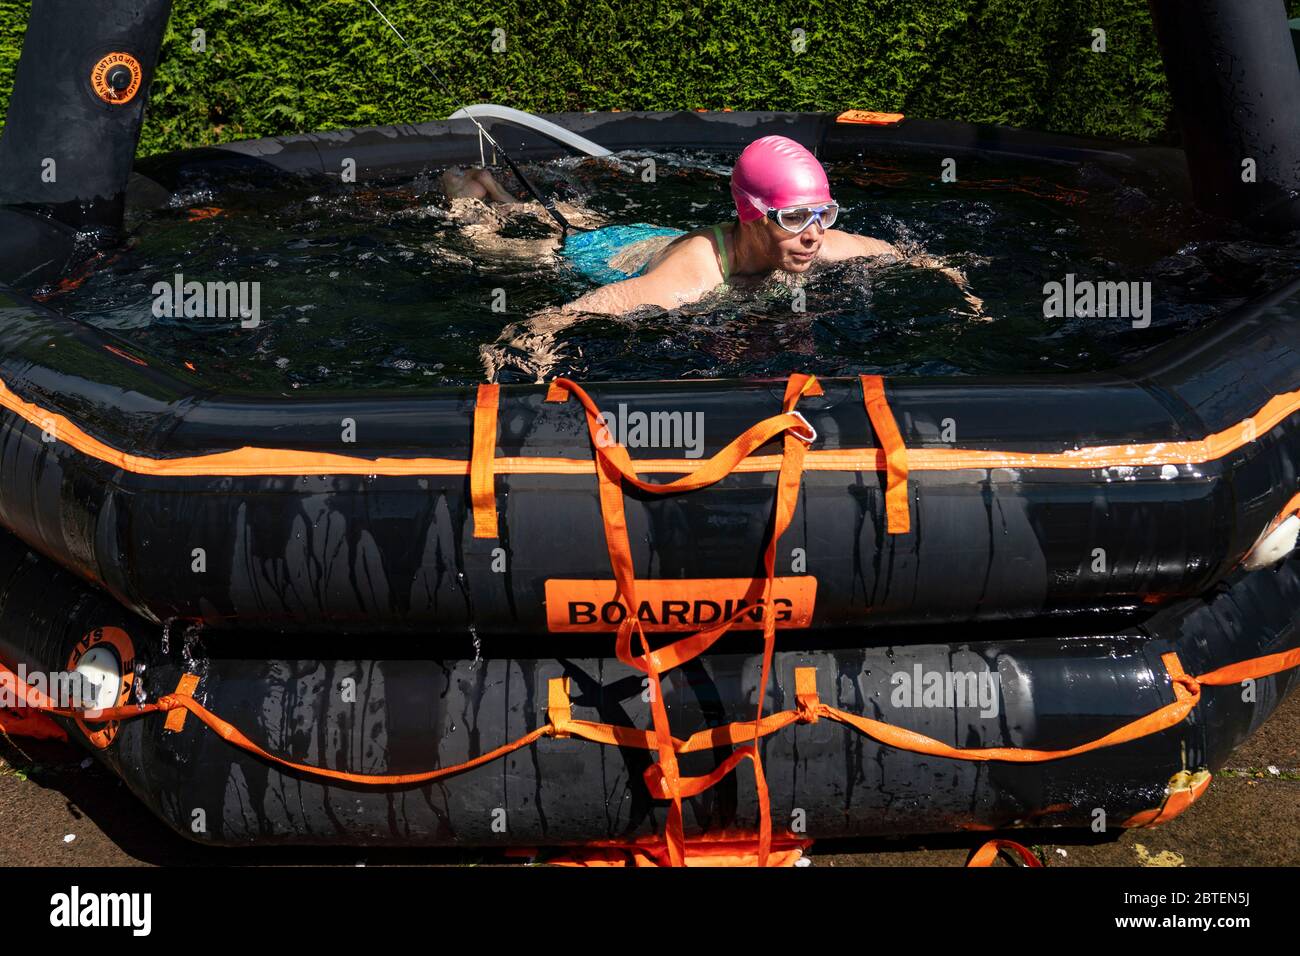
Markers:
373,287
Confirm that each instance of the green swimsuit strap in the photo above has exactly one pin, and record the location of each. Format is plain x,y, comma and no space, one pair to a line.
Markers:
722,252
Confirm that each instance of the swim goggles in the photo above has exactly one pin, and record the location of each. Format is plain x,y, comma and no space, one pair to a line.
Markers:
796,219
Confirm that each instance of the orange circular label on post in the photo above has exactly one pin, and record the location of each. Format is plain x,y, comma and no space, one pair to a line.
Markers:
108,654
99,78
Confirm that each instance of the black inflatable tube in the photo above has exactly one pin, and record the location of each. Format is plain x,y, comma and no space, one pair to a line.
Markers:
1232,74
410,148
416,709
357,552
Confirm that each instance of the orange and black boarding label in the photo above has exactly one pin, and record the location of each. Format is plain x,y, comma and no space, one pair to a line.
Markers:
687,604
99,78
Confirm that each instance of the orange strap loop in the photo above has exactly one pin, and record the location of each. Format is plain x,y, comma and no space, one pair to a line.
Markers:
482,480
175,722
986,854
897,514
805,694
613,464
707,473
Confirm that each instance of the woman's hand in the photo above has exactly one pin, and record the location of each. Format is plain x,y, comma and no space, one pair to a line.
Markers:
473,184
528,345
958,279
953,275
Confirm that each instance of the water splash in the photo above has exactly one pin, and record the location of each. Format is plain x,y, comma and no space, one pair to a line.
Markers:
478,646
193,657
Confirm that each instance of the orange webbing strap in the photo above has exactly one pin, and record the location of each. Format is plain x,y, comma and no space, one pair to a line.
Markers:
897,515
1251,669
986,854
613,463
810,708
788,481
482,482
558,707
175,721
33,724
613,466
710,472
29,718
233,735
1187,694
32,697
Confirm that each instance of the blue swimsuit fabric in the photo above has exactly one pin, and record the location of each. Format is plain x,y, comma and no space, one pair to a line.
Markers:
590,252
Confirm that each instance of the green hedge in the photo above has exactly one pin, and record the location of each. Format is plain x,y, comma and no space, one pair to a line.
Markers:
280,66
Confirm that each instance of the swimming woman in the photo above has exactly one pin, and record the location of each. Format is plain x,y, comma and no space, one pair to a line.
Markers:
784,217
785,214
783,228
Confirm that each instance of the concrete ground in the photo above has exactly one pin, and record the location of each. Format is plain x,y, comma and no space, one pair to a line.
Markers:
57,807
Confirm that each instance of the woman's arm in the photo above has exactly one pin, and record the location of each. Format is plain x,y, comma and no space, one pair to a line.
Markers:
685,274
837,245
619,297
530,345
846,245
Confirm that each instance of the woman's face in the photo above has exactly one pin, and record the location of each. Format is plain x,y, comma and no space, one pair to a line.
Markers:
787,251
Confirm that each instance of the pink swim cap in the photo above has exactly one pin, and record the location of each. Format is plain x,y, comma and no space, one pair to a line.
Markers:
779,172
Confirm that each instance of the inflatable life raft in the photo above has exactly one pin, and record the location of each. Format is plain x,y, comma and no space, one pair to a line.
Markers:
513,616
825,516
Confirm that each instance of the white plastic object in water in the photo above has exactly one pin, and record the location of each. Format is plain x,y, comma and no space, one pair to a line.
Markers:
1274,546
558,133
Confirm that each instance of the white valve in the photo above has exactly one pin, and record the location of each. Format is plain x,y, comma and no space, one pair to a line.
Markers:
1273,546
101,678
